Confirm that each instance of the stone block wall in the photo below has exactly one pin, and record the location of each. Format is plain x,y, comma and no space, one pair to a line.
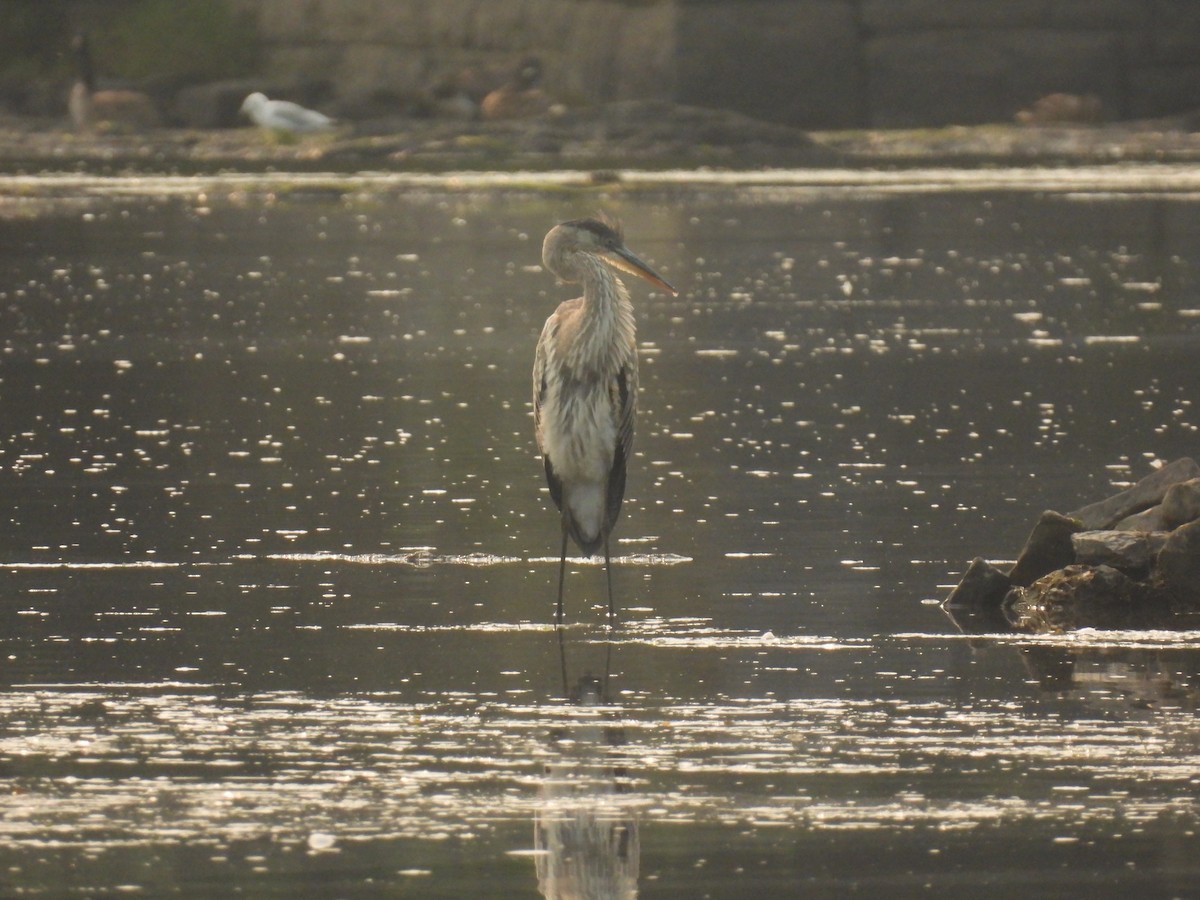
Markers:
813,63
796,62
972,61
846,63
592,50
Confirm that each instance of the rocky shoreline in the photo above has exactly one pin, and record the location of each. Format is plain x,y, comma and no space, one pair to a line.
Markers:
629,135
1131,560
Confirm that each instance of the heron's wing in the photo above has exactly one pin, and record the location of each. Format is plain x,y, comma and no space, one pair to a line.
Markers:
540,389
540,365
623,392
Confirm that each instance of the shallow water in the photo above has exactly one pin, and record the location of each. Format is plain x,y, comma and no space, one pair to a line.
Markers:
280,568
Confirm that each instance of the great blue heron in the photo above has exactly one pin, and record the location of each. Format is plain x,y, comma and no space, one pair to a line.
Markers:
585,381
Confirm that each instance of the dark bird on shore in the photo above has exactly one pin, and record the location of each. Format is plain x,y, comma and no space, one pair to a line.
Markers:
459,94
585,382
90,108
1063,109
520,97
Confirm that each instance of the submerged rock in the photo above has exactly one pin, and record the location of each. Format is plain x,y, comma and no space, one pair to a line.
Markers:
1080,597
975,605
1047,548
983,585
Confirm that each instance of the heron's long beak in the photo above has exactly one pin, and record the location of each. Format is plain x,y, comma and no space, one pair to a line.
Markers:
622,259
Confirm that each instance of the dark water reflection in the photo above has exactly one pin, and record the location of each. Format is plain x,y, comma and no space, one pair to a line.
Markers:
279,569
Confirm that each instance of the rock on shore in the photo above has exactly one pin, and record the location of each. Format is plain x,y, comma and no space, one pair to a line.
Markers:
1131,560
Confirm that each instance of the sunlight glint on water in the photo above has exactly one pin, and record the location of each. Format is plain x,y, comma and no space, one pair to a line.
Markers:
280,561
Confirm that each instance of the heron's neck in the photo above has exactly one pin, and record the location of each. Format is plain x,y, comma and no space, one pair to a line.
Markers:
606,320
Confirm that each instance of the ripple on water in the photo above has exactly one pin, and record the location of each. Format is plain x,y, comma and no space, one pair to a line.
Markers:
1149,639
698,633
424,557
148,763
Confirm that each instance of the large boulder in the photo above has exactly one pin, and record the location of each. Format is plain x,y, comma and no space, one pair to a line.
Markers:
1178,566
1047,548
1147,520
1079,571
1133,552
1146,493
1181,503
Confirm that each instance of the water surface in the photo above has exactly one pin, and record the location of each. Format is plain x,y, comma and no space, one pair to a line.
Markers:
280,564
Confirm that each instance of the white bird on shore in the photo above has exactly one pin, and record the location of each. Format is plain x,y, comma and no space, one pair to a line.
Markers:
283,115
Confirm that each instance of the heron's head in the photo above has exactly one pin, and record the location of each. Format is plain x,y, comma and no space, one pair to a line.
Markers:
568,243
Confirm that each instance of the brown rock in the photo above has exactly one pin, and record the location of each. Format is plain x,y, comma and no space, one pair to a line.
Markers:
982,585
1059,108
1081,597
1047,548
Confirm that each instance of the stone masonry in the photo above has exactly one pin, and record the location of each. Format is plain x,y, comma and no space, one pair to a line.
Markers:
814,63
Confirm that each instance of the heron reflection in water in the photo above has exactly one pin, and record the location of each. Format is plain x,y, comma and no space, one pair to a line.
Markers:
585,381
586,830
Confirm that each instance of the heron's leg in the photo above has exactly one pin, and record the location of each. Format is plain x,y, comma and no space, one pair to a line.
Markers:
607,669
562,660
562,571
608,574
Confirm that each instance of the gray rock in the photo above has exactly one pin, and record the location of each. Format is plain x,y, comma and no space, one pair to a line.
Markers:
1147,520
1146,493
1129,551
1047,548
1178,566
982,585
1181,503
